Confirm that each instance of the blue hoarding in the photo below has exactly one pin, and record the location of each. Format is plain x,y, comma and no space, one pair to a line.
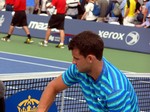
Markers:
114,36
26,101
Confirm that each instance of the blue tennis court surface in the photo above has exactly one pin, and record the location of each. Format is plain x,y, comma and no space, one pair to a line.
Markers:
18,66
15,63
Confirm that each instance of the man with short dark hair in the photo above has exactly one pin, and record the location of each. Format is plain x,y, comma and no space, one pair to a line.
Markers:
105,88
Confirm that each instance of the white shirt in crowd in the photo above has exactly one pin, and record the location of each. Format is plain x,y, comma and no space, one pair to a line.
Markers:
89,8
72,7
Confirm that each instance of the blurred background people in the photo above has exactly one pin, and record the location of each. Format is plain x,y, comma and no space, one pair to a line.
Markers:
42,5
72,8
145,24
88,14
81,8
19,19
32,6
129,13
9,4
146,9
103,4
57,20
2,4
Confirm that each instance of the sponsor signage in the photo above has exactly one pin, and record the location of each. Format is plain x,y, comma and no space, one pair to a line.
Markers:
26,101
114,36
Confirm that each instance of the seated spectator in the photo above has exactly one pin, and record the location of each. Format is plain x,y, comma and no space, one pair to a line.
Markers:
103,4
145,24
42,4
129,14
138,14
72,8
88,14
114,13
122,7
2,4
81,8
146,9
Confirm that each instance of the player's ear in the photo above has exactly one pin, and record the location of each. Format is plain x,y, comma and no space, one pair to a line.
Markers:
90,58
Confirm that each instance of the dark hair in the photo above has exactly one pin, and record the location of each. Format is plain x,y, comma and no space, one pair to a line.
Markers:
88,43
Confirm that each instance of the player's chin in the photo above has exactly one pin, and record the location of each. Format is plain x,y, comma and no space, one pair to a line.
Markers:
81,70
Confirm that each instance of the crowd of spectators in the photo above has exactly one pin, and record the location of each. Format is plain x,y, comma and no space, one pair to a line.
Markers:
133,13
2,4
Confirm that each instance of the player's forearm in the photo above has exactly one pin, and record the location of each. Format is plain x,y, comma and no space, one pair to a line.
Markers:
47,99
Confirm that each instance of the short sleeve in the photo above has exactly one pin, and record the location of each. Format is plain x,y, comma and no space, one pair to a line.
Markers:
70,75
89,7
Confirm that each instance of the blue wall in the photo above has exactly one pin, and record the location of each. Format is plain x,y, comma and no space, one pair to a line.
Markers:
114,36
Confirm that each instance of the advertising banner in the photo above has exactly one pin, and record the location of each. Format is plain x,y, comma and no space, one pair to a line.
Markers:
26,101
114,36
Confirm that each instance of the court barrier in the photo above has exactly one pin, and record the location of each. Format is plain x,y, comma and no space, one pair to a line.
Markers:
114,36
69,100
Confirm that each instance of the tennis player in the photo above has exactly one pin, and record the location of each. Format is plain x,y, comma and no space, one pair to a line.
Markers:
105,88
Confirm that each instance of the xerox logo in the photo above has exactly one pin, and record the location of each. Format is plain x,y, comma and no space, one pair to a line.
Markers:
132,38
111,35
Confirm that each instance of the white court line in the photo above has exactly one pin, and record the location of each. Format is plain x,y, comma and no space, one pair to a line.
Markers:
124,71
31,63
47,59
33,75
34,57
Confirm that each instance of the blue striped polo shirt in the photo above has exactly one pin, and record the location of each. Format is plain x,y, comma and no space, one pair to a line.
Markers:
111,92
